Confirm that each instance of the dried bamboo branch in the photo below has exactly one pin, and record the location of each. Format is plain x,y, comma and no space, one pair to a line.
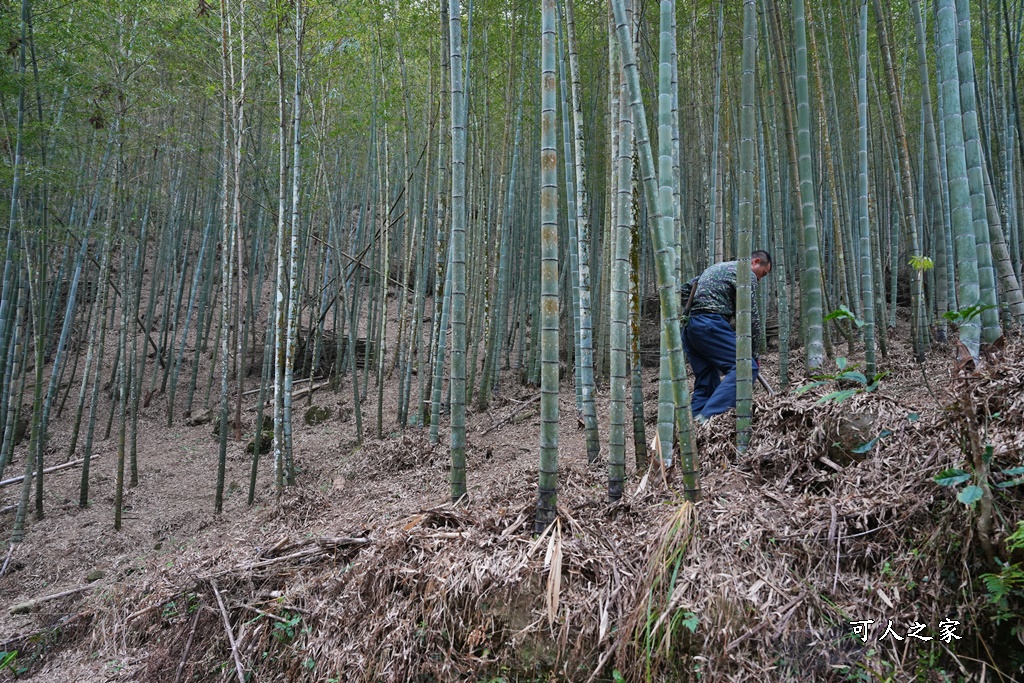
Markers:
188,647
231,635
27,607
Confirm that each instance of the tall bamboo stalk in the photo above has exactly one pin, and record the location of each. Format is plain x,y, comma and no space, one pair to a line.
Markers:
458,263
990,328
956,164
919,324
668,97
227,234
619,310
660,218
282,295
713,236
866,274
810,282
943,264
547,484
744,353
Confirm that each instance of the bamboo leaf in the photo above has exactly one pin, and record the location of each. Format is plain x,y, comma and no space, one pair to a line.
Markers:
918,262
844,313
837,396
807,387
865,447
971,494
951,477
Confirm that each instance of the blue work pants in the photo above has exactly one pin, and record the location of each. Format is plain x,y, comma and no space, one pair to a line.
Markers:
710,345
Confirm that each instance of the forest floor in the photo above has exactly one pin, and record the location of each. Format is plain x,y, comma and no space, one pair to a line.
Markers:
364,570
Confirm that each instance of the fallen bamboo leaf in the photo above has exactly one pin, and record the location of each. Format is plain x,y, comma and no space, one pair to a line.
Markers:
553,561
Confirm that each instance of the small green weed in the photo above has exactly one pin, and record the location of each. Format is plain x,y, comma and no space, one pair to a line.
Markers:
1008,584
285,631
9,661
847,374
971,494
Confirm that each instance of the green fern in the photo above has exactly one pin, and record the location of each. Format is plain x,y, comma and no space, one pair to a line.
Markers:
1006,588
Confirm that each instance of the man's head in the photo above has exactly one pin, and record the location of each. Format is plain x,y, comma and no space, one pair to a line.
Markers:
760,263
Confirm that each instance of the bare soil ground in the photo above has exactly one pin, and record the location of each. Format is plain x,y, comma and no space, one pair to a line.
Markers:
364,571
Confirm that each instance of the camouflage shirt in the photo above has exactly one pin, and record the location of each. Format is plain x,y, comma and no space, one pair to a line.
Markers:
716,293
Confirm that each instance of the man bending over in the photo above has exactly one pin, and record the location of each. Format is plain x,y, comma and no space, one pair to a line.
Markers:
709,339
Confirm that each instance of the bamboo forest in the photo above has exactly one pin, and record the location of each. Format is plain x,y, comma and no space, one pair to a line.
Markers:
482,340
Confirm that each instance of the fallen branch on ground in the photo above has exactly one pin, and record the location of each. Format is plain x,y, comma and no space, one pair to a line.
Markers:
231,634
515,412
47,470
27,607
188,647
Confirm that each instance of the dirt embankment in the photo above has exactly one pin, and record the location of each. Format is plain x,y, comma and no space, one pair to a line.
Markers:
364,571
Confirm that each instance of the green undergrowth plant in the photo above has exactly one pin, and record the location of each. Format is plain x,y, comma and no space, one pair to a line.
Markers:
9,661
973,492
847,374
1005,588
844,313
965,314
286,631
660,627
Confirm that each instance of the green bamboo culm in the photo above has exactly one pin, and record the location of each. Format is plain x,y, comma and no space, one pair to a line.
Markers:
385,251
122,385
866,282
772,160
434,363
810,283
586,378
19,515
713,237
547,484
281,295
458,264
660,215
744,353
990,329
17,533
226,263
666,94
295,260
568,173
919,323
618,338
602,312
9,402
636,378
956,168
943,265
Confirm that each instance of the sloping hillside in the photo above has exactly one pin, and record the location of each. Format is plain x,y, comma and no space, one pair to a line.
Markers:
365,571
